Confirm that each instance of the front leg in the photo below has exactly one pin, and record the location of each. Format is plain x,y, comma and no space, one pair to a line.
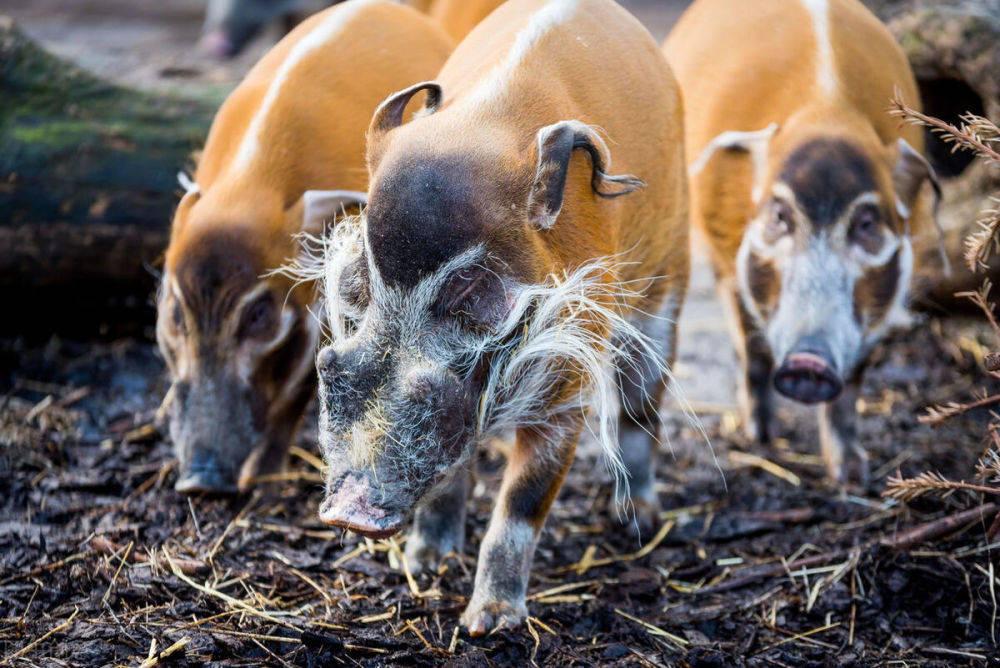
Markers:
756,364
534,473
838,433
438,526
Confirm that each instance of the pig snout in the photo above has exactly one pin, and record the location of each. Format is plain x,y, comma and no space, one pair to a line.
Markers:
349,505
206,474
808,375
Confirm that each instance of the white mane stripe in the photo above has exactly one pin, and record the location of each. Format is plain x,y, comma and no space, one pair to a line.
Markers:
554,13
826,75
320,35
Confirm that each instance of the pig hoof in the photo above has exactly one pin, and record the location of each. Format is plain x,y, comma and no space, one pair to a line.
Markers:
482,618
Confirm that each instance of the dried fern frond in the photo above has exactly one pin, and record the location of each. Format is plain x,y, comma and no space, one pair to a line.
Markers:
981,298
908,489
976,134
988,466
941,412
983,242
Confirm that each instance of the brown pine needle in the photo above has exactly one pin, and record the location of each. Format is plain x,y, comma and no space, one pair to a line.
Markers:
38,641
908,489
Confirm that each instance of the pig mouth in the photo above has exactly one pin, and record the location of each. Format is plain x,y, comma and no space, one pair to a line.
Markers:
349,505
807,378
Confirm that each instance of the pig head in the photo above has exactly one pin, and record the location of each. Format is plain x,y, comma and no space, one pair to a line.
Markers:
825,262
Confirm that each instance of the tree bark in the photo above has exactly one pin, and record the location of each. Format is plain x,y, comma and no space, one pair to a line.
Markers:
87,185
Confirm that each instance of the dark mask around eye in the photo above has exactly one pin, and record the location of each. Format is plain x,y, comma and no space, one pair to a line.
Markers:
259,320
866,228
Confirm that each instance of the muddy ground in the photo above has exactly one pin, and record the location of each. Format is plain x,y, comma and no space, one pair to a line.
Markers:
758,561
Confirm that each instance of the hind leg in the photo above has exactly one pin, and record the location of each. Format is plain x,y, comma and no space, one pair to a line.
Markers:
641,383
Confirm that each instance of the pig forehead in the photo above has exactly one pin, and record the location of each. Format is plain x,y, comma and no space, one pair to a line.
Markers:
826,176
421,214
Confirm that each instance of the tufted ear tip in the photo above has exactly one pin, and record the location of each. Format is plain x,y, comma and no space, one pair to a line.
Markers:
556,144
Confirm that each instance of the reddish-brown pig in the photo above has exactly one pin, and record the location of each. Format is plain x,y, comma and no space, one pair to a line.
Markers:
499,263
807,191
285,153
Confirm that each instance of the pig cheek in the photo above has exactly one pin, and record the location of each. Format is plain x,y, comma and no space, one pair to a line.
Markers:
875,291
764,283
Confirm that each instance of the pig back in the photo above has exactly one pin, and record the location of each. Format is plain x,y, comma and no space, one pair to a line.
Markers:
531,64
298,120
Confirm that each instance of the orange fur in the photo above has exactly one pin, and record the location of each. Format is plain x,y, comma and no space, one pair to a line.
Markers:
459,17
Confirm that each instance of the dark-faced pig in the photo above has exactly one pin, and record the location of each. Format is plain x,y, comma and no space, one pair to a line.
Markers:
285,153
807,191
496,268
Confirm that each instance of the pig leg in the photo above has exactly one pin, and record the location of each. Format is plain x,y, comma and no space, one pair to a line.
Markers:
838,433
641,383
438,526
535,471
756,365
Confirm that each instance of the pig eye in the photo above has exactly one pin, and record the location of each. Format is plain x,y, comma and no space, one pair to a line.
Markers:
259,319
475,297
864,230
354,284
177,319
780,222
458,297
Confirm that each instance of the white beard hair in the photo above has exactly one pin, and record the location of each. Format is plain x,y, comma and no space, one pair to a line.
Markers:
553,319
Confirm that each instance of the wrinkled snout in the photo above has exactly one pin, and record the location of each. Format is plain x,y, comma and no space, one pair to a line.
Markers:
350,504
207,474
808,375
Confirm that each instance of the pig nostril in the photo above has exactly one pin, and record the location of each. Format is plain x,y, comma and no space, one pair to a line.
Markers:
807,378
326,360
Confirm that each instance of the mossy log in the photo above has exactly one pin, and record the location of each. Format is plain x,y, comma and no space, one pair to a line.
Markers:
954,49
87,184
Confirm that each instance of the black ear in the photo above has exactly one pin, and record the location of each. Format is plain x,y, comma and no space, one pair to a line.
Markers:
556,144
390,113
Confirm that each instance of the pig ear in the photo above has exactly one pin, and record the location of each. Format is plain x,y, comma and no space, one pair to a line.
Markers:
908,176
754,143
389,114
321,206
556,144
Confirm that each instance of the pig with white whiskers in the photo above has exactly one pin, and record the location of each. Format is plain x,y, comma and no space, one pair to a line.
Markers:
808,192
498,276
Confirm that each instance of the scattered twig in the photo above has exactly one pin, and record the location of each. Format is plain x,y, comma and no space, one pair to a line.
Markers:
939,527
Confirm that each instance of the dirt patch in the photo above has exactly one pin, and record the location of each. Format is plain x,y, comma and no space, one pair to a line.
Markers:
750,569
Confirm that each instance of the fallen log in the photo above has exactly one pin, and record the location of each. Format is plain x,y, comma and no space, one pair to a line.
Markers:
87,184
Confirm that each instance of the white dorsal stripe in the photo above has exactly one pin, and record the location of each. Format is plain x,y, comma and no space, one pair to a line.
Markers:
329,28
826,76
554,13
